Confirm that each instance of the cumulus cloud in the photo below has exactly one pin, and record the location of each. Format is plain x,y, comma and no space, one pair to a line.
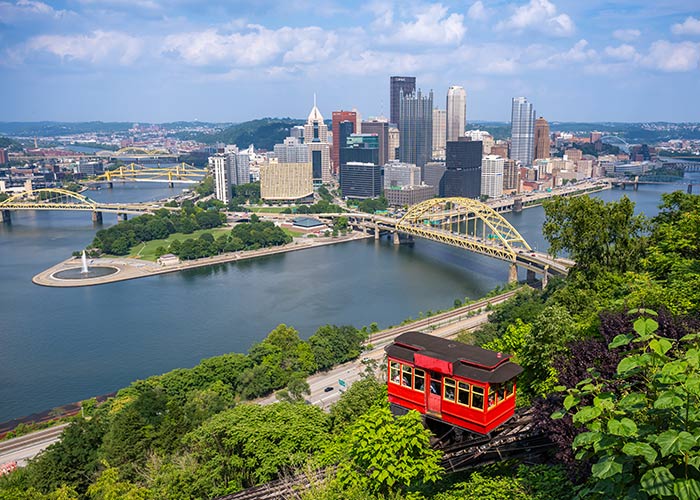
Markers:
622,52
499,67
255,46
477,11
431,25
579,53
96,47
690,26
27,10
627,35
540,15
673,57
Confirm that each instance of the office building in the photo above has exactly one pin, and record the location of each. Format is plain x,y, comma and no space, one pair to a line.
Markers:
511,175
363,148
541,138
222,186
483,136
500,149
350,119
416,128
432,175
360,180
380,128
297,132
230,168
462,176
291,151
408,195
573,154
522,134
316,139
394,143
456,112
286,182
397,174
439,131
399,85
3,156
492,176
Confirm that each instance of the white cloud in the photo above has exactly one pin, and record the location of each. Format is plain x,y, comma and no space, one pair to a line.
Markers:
627,35
690,26
254,47
432,25
99,46
27,9
622,52
673,57
579,53
540,15
499,67
478,12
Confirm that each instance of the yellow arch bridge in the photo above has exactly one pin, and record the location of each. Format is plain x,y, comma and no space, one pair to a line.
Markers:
133,172
61,199
471,225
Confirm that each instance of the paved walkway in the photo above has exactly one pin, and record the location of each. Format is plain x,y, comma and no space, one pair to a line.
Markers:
128,269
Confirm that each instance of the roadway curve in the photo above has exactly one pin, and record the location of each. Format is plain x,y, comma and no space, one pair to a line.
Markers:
22,449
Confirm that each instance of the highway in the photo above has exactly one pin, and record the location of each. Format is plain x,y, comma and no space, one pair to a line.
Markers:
445,324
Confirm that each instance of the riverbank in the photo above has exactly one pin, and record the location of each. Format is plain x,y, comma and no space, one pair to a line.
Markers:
129,269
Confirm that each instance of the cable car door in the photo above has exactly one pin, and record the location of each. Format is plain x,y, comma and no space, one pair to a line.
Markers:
434,394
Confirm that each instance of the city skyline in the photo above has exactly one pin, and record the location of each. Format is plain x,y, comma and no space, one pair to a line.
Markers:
150,61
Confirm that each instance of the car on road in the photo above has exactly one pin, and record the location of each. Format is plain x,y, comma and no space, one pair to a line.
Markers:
328,389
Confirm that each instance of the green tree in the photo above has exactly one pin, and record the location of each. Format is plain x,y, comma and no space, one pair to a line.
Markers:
356,401
642,429
388,455
109,487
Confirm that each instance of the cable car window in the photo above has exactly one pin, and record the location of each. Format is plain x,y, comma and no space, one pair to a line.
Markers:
394,372
435,386
500,393
450,390
477,397
463,393
419,380
492,397
407,376
510,388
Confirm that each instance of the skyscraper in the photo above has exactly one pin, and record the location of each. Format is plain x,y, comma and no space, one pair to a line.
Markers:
456,112
336,119
492,176
522,131
439,137
345,130
463,174
416,128
381,129
398,85
541,138
316,137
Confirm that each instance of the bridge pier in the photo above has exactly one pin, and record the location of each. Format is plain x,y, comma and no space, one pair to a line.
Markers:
518,205
396,239
122,217
531,277
5,216
690,189
636,186
171,184
545,277
110,185
513,274
376,231
97,217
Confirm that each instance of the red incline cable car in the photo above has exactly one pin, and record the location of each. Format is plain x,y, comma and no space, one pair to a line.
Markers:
463,385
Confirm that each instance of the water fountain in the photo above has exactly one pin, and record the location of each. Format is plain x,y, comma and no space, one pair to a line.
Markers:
84,272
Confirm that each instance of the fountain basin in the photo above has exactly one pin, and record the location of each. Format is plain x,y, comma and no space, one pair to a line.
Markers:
77,273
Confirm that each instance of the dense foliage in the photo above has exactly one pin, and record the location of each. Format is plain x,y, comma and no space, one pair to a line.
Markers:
320,207
118,239
263,133
372,205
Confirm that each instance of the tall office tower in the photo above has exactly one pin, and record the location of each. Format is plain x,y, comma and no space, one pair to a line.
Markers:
345,130
492,176
511,175
381,129
362,148
316,138
360,180
338,140
416,128
242,168
399,85
432,175
298,132
222,186
456,112
541,139
291,151
394,142
463,173
522,131
3,156
439,131
286,181
397,175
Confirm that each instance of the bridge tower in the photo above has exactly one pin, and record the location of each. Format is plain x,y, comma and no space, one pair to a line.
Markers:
5,216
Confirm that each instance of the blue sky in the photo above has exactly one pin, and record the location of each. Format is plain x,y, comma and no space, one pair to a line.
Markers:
164,60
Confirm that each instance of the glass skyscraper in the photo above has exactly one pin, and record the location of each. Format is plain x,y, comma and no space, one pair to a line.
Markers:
416,128
522,131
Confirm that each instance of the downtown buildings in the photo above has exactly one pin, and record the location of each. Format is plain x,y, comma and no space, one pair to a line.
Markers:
522,131
456,112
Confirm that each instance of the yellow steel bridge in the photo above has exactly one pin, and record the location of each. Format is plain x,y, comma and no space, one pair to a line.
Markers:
134,172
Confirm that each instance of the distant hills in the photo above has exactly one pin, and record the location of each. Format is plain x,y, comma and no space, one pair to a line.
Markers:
263,133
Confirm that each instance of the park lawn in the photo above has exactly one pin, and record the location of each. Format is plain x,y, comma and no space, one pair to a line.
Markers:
147,251
292,233
268,210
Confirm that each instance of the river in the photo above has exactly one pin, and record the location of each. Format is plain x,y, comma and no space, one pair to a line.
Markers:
63,345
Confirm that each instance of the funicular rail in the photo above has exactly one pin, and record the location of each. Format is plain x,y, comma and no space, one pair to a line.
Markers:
516,439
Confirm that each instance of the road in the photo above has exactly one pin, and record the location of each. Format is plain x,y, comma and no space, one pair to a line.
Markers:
23,448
